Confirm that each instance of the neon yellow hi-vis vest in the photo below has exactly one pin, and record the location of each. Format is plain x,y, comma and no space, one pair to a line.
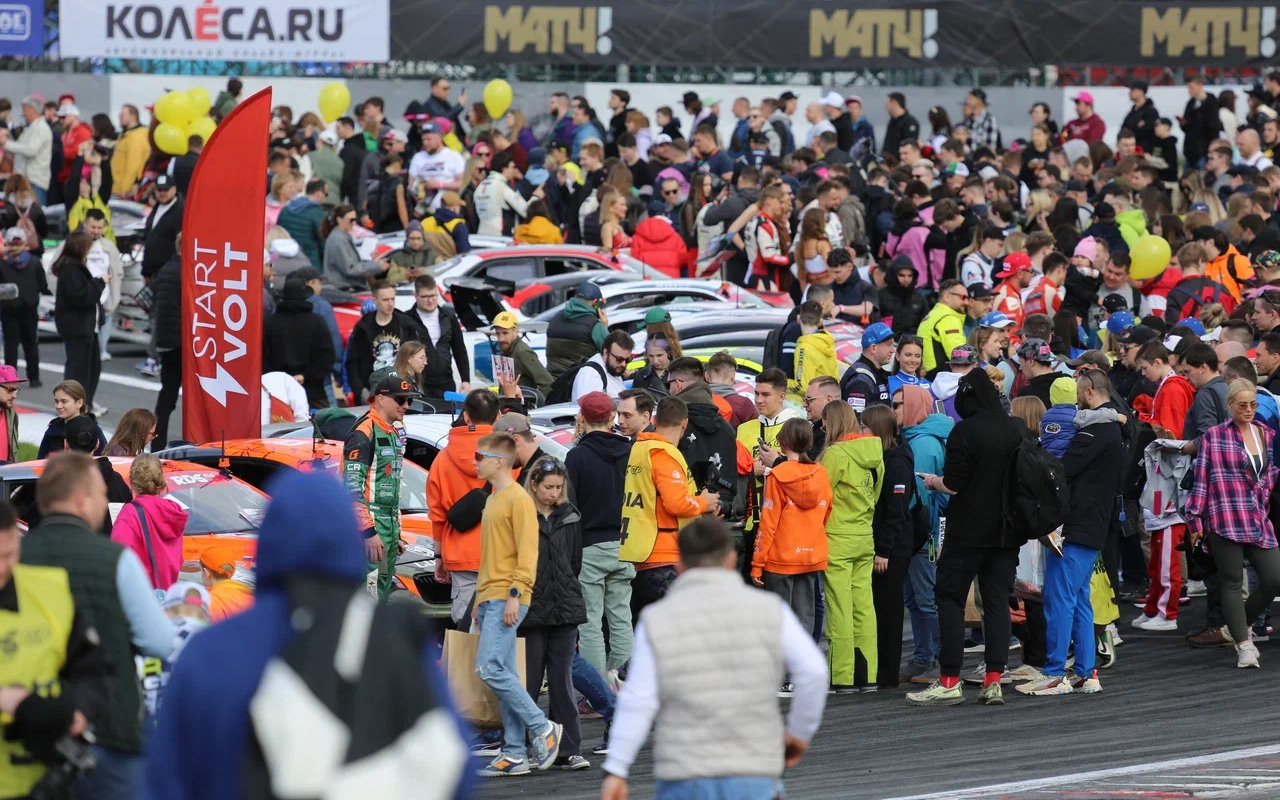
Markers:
749,433
640,501
33,649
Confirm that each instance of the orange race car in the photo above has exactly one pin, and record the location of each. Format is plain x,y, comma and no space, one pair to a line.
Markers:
254,461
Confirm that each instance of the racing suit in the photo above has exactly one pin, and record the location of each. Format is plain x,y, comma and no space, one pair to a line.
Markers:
372,457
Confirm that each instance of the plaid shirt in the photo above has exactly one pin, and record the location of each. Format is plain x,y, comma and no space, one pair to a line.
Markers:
983,131
1228,498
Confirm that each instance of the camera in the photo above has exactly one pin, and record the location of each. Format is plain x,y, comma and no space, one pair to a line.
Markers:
71,759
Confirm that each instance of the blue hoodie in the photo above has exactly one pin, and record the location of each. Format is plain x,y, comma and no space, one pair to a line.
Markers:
198,752
928,442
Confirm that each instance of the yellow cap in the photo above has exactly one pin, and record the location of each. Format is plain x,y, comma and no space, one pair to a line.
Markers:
506,320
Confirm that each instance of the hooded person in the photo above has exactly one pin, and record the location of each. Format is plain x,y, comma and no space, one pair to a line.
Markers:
708,444
901,306
286,258
980,542
152,524
295,341
254,687
926,431
577,332
657,243
964,359
407,263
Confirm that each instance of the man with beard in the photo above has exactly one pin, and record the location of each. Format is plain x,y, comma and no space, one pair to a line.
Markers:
604,371
708,442
529,370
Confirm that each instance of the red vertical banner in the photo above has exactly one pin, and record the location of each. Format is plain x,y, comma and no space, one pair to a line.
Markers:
222,238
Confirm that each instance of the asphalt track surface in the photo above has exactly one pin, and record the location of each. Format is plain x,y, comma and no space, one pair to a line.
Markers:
1171,722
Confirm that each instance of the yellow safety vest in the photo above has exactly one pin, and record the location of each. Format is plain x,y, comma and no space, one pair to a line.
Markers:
749,433
33,650
640,501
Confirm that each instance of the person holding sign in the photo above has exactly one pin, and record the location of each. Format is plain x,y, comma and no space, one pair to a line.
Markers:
514,359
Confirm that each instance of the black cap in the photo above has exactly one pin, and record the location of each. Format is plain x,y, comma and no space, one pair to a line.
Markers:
1242,171
1095,357
689,97
1138,334
788,96
1104,210
163,181
305,275
1141,86
1114,302
978,291
390,384
82,433
1258,91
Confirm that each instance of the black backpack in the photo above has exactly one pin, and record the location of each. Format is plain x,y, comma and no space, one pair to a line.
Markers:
1039,498
1187,300
561,390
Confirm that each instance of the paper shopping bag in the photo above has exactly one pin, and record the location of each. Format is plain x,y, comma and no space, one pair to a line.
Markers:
474,700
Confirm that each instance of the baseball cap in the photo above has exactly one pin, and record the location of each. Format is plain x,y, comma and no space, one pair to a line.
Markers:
1242,171
220,559
1196,326
68,109
9,374
1266,261
978,291
1083,97
429,127
851,99
656,315
1062,392
15,234
1114,302
1138,334
185,593
1095,358
165,182
329,137
1119,322
512,422
995,319
451,199
1198,207
833,99
876,333
392,385
661,138
505,320
595,407
964,354
1035,350
708,102
589,292
689,97
81,433
958,168
394,135
1015,263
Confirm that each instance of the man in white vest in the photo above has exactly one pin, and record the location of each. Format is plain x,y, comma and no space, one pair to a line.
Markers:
716,732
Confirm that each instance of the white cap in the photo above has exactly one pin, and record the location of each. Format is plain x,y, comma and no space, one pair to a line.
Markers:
329,137
396,136
286,248
833,99
661,138
68,109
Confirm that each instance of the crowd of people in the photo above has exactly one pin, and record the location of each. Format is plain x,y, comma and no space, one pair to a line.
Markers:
1011,348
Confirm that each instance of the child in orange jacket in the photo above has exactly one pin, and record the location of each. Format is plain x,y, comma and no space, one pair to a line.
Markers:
791,547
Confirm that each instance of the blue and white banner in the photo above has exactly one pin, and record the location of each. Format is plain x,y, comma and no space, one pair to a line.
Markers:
22,28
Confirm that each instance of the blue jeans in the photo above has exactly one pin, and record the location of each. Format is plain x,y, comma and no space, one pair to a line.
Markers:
719,789
118,776
42,195
591,685
496,666
918,595
1068,612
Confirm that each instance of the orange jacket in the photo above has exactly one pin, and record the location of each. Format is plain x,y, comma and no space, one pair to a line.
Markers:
228,598
1219,270
675,503
452,475
793,521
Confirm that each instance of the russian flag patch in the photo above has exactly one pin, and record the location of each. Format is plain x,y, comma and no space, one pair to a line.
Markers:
899,488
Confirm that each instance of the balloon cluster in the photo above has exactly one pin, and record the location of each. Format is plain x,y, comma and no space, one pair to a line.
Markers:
182,115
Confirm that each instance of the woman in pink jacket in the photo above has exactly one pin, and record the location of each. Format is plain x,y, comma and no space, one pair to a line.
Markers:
152,525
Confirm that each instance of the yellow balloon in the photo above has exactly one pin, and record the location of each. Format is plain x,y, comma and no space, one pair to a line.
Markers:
1149,257
200,101
171,139
202,127
335,98
452,141
176,109
497,97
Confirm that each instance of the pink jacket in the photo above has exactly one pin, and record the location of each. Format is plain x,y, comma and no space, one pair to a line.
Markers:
928,262
165,521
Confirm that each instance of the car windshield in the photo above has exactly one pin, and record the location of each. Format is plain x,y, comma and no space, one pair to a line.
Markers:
551,447
216,504
446,265
413,485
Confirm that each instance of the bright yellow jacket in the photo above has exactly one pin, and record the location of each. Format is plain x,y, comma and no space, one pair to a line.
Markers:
129,159
538,230
942,331
815,357
83,204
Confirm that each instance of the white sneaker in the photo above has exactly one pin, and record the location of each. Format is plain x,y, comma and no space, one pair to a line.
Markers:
1115,634
106,356
1159,623
1142,620
1196,589
1247,656
1047,685
99,410
1026,672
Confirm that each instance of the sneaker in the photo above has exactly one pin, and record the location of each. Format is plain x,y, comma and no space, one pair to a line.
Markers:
1089,685
1106,650
546,745
1026,672
1115,634
585,711
99,410
1211,637
502,767
105,356
602,749
972,645
573,763
1261,633
932,674
487,745
1196,589
1014,644
1159,623
1247,656
1047,685
872,689
979,676
840,688
910,669
992,695
1141,619
615,683
786,690
937,695
150,368
1140,604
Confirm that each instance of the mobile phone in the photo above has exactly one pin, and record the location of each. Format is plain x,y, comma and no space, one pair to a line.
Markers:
760,443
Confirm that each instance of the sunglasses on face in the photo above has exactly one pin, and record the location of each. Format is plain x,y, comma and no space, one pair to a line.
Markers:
482,455
808,401
671,192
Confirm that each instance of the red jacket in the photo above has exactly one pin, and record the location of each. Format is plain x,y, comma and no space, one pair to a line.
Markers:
1172,401
71,141
1090,130
657,243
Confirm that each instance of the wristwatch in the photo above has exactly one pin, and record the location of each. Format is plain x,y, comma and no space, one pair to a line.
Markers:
513,592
